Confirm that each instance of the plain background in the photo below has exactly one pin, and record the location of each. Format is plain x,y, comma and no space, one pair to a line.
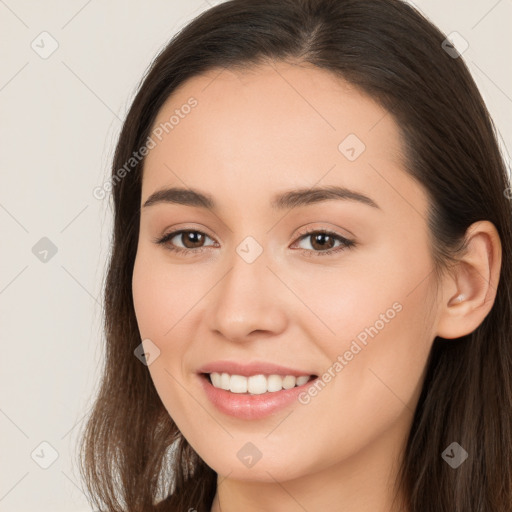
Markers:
60,118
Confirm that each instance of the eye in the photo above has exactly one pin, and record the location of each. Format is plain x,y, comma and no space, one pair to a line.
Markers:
324,240
191,240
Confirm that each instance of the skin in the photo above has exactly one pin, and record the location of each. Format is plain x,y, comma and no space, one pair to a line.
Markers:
255,133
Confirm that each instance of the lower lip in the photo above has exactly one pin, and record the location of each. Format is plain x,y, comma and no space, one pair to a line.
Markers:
251,407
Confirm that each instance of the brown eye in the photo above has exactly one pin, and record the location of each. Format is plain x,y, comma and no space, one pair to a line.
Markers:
322,241
192,239
192,242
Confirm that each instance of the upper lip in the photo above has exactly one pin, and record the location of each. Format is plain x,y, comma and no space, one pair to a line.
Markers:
248,369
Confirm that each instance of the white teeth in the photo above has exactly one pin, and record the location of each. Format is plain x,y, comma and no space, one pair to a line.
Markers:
238,384
224,381
256,384
274,383
302,380
289,382
216,379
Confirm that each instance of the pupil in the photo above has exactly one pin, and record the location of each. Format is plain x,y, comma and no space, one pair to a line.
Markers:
320,240
191,235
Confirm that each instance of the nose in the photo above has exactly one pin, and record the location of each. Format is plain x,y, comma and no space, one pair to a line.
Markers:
248,301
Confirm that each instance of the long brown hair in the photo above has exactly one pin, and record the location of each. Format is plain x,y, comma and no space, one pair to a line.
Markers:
132,454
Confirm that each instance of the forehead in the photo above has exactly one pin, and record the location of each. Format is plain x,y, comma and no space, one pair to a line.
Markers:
272,127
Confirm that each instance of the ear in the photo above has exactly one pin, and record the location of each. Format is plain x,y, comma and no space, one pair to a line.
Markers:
469,292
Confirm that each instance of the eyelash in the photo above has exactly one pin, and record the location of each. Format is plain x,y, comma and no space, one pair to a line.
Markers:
346,244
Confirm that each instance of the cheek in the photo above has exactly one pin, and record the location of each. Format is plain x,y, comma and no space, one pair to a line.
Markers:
341,296
166,299
381,333
159,305
146,304
379,363
157,295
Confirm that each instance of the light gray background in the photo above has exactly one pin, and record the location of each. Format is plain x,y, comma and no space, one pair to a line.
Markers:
60,118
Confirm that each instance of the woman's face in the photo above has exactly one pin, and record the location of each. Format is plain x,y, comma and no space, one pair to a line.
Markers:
361,317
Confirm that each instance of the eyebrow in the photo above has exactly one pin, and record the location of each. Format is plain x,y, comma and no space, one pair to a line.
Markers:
284,200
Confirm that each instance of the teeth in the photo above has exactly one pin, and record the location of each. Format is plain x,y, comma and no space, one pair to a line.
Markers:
224,381
256,384
238,384
302,380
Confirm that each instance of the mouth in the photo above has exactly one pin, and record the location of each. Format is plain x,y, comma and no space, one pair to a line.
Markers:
253,397
257,384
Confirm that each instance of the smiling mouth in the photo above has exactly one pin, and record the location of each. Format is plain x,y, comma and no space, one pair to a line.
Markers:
256,384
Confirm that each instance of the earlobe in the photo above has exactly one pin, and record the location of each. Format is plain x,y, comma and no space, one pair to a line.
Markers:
472,285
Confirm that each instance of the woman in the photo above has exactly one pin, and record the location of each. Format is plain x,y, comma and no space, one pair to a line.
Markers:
309,300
